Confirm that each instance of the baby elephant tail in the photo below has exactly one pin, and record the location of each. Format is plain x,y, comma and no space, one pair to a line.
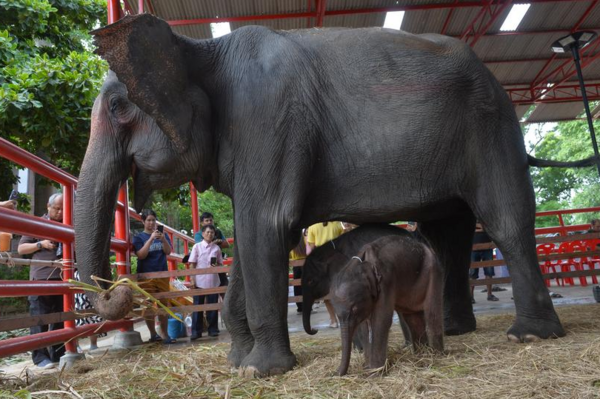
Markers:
434,304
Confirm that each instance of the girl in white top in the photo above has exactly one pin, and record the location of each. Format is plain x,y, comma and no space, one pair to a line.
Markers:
202,257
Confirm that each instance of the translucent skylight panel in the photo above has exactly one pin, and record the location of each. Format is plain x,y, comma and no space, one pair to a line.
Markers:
220,29
393,20
514,17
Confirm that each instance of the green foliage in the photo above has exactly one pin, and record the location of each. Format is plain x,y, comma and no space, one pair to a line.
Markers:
14,273
173,207
566,188
49,78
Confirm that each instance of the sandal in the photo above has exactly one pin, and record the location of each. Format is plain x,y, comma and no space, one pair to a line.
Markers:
492,298
169,341
155,338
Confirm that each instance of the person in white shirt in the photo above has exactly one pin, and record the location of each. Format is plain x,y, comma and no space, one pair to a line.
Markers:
204,255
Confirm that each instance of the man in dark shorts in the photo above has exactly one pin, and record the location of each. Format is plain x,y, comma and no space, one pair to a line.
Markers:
481,237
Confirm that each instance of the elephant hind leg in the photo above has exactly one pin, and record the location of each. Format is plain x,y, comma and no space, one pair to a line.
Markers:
416,325
507,212
451,240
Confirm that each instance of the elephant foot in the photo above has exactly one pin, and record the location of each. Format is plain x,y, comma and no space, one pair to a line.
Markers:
265,362
238,352
526,329
459,325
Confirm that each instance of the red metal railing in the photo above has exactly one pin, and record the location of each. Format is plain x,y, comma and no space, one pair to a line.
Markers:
23,224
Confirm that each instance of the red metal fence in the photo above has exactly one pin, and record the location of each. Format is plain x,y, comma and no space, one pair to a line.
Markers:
23,224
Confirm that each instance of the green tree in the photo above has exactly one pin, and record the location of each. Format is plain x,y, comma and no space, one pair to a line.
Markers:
49,78
174,208
560,188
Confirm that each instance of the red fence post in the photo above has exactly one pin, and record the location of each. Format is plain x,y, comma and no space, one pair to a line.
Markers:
186,250
122,231
195,216
68,263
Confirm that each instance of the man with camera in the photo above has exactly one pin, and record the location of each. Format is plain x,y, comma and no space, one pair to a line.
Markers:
44,304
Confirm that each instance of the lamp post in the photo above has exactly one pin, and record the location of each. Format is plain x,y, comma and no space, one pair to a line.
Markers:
573,43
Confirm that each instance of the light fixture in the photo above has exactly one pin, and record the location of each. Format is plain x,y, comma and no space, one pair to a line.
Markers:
573,43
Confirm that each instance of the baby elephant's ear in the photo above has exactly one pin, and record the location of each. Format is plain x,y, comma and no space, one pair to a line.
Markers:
147,57
377,277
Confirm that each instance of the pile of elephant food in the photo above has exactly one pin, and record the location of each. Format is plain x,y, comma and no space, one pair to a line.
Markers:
481,364
121,296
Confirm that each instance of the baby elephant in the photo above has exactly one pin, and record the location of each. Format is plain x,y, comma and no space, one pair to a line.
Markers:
392,273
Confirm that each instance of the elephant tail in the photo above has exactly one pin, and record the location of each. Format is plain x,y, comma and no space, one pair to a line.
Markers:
542,163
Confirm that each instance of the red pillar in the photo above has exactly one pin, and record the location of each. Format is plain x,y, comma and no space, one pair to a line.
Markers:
186,250
68,263
195,215
114,11
122,231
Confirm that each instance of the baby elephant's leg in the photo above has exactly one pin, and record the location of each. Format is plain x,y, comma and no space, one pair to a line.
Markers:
435,323
377,339
416,325
433,307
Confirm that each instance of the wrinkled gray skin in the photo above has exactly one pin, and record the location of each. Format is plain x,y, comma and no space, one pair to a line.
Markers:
361,125
324,262
391,274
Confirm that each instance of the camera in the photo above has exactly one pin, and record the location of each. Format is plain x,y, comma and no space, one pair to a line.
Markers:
14,195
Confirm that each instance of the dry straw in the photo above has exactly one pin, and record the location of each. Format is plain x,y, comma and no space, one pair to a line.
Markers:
477,365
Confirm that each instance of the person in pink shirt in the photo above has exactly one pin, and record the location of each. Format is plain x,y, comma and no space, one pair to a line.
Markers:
204,255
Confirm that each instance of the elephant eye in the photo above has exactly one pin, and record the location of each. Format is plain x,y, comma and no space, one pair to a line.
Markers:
114,104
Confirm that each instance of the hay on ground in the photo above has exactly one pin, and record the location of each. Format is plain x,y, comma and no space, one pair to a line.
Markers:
477,365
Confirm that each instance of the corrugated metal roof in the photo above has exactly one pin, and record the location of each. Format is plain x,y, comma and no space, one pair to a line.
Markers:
513,59
555,112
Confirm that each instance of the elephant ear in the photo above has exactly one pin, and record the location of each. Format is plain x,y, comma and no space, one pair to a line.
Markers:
147,57
370,262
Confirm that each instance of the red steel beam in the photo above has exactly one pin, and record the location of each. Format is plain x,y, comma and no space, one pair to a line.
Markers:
13,346
447,21
477,28
330,13
557,94
565,71
15,288
18,155
24,224
575,27
321,7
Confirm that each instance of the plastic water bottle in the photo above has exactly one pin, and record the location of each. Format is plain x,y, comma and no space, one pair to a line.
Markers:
188,325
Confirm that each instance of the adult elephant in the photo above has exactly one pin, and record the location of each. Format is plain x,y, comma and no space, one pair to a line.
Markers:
305,126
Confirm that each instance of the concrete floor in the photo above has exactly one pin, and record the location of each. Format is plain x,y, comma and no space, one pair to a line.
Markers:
320,320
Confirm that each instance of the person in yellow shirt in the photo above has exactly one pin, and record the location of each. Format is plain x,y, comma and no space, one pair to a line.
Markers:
319,234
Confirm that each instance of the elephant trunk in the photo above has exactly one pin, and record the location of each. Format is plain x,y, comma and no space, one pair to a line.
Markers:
307,304
347,330
105,168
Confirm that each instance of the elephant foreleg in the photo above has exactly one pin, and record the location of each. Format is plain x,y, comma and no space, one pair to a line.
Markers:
378,336
234,315
265,270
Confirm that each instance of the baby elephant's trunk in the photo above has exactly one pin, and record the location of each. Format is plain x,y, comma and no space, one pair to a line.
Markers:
347,329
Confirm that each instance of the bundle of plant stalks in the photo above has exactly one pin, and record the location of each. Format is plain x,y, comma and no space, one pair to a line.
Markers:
142,300
482,364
